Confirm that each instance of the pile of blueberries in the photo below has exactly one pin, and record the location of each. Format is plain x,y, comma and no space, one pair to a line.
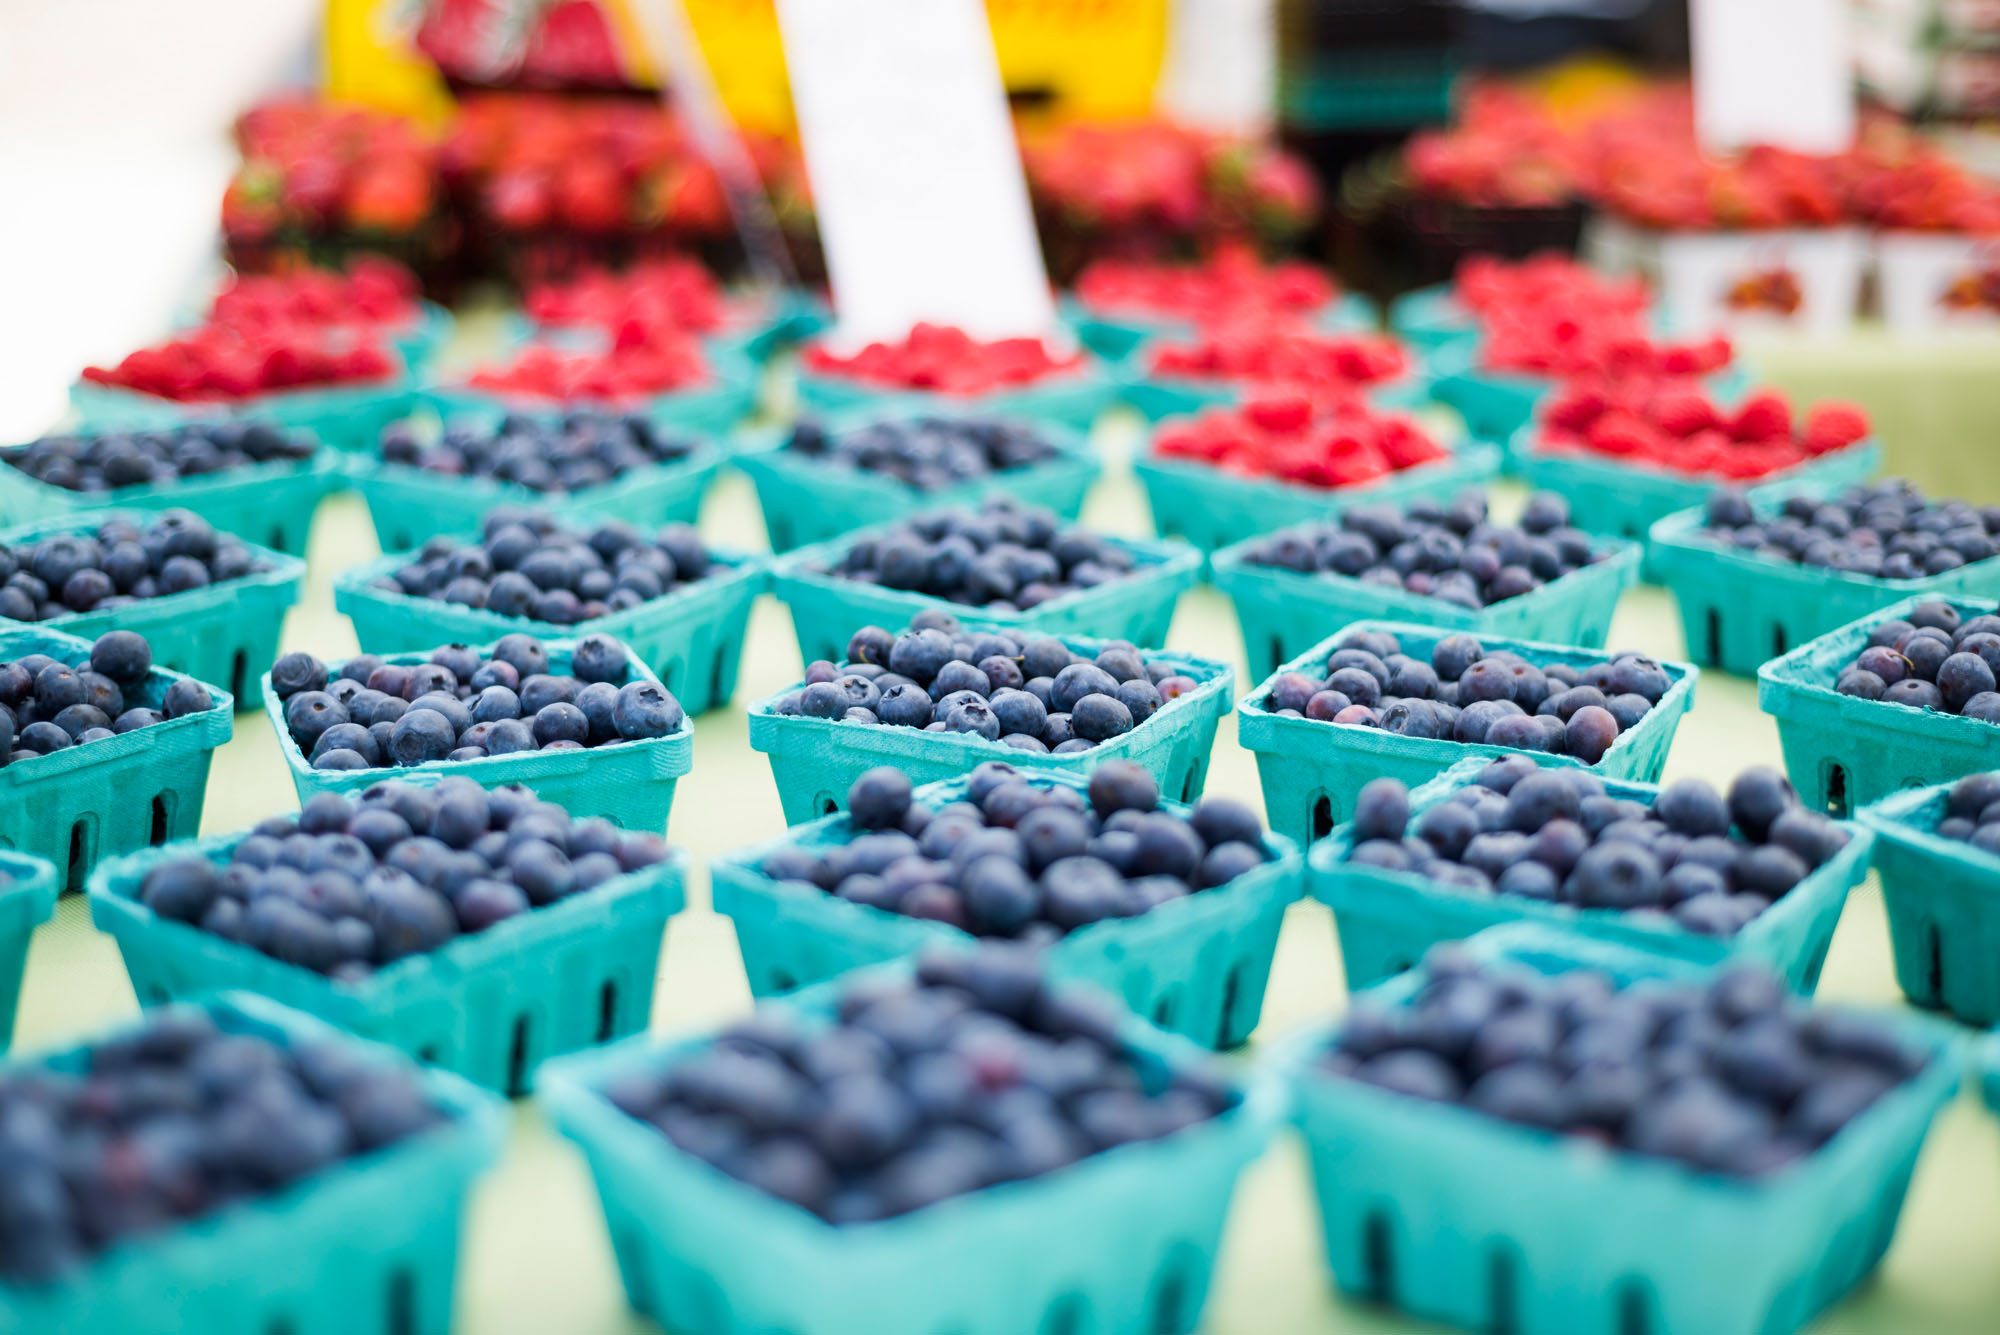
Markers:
1466,694
115,459
926,453
117,564
347,886
1931,659
1004,557
529,564
974,1073
1032,861
176,1120
464,705
583,449
1449,551
1972,812
1028,692
1555,835
47,705
1732,1076
1881,530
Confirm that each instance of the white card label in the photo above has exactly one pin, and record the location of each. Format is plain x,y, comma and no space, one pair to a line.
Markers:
916,177
1773,72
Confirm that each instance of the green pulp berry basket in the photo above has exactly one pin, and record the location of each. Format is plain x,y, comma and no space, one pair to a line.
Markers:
268,503
1285,612
1943,899
1137,606
217,633
1074,399
1123,1240
1196,966
815,760
88,802
489,1006
807,501
691,637
347,417
630,783
27,898
1458,1217
1116,335
1312,771
1387,920
1212,508
1740,610
1843,753
368,1246
1607,495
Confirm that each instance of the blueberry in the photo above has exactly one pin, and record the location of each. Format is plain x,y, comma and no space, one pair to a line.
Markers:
1120,785
123,656
879,798
646,709
1757,798
419,737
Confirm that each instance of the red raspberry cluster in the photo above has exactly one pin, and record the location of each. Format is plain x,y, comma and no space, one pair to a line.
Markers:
1564,346
674,293
1295,437
1228,283
637,365
1489,285
226,362
1274,353
945,359
371,292
1676,425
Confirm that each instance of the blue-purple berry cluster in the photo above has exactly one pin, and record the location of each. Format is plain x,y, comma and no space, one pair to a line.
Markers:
1004,557
1972,812
583,449
1882,530
1931,659
47,705
111,460
117,564
925,453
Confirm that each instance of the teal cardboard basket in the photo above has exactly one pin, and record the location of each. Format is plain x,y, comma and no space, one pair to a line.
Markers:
1312,771
88,802
368,1246
1074,399
1739,610
629,783
1211,507
815,760
217,633
1988,1060
1843,753
347,417
1115,336
1431,319
1607,495
1285,612
1122,1240
489,1006
1137,606
691,637
1196,966
1455,1216
1943,898
805,500
1386,920
27,898
269,503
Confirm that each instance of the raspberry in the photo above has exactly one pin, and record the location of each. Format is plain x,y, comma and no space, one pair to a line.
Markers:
1834,426
1683,412
1763,416
1289,411
1621,433
946,359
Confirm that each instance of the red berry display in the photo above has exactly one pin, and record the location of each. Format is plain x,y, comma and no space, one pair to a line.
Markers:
1284,434
371,293
1273,353
226,362
313,167
674,293
947,360
638,364
1676,425
1228,283
1492,287
1506,151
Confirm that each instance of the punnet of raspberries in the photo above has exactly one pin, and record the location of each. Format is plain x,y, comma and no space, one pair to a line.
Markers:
639,363
1275,353
945,359
1286,434
226,362
1678,425
670,293
1232,280
370,292
1549,283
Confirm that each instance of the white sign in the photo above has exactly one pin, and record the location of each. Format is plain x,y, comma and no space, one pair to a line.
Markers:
1773,72
916,178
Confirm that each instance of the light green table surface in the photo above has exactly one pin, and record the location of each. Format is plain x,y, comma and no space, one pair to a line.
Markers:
538,1261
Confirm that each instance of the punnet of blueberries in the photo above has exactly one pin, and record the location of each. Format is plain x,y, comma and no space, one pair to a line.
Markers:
112,460
925,453
48,705
1882,530
1972,812
1025,859
116,564
1446,550
350,885
1030,692
177,1120
465,704
1004,556
917,1090
1732,1076
527,563
1467,694
1931,659
1695,858
582,449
